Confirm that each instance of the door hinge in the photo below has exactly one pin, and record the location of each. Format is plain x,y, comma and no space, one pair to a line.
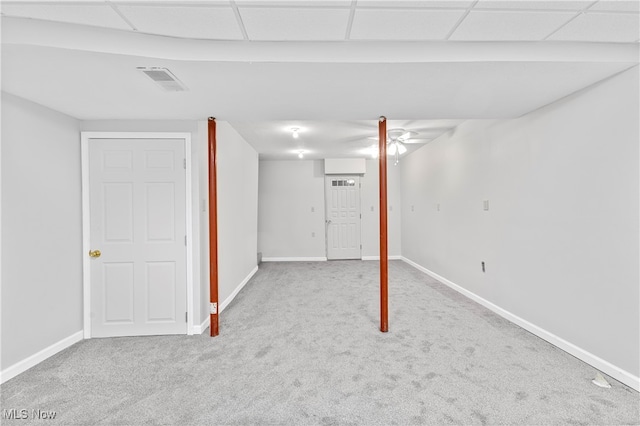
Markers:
213,308
360,215
186,317
184,163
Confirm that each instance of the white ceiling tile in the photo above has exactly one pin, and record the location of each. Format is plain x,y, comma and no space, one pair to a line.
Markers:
189,22
279,24
617,6
294,3
405,4
604,27
175,3
534,5
372,24
99,15
496,26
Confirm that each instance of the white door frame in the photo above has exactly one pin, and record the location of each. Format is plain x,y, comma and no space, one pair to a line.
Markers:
86,225
326,208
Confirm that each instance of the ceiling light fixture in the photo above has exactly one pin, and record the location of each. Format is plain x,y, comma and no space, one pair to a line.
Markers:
301,154
294,132
396,148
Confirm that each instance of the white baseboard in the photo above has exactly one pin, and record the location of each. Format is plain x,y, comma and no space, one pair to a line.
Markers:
393,257
294,259
244,282
22,366
199,329
591,359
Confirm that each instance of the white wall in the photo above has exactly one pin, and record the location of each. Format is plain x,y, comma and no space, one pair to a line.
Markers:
560,239
370,200
41,229
183,126
237,179
289,189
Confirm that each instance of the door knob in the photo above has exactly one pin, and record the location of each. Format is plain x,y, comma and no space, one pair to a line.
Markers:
94,253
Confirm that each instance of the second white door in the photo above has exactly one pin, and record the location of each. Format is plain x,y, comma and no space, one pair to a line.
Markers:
343,217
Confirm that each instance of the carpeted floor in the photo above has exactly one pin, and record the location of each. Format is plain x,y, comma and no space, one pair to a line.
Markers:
300,345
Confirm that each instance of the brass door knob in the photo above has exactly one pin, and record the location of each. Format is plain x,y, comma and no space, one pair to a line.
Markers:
94,253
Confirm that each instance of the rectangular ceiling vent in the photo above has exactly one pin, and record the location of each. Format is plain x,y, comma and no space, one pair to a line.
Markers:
164,78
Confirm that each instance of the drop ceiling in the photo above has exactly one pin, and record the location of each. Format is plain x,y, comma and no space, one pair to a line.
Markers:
483,20
322,65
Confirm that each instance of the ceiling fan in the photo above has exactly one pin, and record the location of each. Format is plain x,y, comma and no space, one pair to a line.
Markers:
396,140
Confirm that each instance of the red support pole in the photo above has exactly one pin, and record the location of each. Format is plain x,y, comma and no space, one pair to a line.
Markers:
213,228
384,261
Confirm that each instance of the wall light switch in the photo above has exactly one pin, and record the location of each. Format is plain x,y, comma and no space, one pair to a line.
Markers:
371,208
313,209
485,205
204,206
438,206
313,235
411,208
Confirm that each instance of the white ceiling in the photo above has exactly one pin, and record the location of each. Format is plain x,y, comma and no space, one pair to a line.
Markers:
333,139
323,20
322,66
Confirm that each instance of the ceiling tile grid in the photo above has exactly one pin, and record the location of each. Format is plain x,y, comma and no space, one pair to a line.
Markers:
415,4
188,22
600,27
509,26
294,24
617,6
573,5
340,20
376,24
96,14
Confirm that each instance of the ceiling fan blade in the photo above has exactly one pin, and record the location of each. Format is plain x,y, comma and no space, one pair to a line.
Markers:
407,135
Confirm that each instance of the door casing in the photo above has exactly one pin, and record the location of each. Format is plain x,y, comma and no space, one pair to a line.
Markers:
85,140
327,178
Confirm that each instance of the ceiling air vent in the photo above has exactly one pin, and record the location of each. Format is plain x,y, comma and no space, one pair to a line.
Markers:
164,78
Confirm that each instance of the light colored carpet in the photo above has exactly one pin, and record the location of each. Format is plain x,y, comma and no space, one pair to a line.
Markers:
300,345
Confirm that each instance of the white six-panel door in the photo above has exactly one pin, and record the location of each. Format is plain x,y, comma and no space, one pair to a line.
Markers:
343,217
137,217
